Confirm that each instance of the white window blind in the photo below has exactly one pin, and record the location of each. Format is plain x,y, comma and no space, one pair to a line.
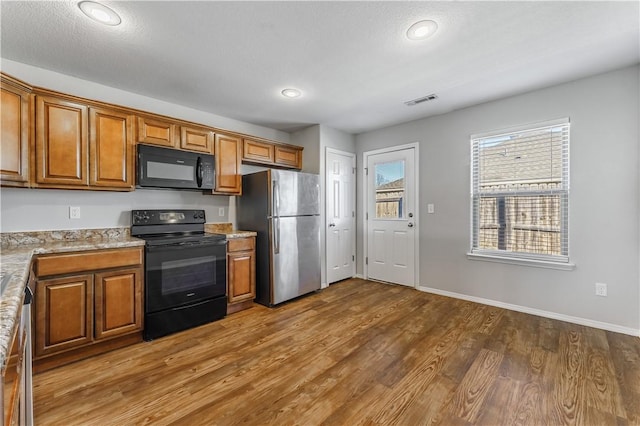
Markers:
520,192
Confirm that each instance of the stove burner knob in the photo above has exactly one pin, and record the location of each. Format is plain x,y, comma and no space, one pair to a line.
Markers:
201,215
195,215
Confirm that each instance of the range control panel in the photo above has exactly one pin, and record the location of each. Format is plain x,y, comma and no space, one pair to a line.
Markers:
166,217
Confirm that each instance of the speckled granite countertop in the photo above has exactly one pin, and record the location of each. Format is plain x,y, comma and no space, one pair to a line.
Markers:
17,251
227,230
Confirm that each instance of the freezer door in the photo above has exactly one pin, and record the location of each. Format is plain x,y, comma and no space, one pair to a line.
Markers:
295,252
295,193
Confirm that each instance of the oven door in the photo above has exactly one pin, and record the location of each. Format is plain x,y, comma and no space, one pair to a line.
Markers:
185,273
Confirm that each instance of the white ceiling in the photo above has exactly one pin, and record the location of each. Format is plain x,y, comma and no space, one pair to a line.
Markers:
352,60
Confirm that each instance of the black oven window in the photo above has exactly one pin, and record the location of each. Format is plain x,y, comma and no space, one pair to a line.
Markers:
187,274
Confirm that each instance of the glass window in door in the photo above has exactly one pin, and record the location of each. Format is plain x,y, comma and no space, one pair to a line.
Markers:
390,190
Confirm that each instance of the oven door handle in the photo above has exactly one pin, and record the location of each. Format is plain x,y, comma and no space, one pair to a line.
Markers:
172,247
179,308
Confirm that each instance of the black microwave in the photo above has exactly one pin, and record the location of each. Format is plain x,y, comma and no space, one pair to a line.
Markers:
171,168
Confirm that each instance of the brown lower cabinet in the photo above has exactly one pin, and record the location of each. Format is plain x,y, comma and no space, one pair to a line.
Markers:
241,273
92,304
16,398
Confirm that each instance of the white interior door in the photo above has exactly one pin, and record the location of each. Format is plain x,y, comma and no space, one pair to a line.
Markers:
340,215
391,216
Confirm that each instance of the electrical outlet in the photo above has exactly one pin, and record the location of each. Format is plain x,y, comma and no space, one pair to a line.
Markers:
220,211
601,289
74,212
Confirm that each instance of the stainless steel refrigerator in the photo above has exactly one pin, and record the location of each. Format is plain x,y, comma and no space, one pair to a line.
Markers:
283,207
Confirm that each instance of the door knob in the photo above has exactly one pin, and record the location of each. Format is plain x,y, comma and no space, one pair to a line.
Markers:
410,214
410,225
331,225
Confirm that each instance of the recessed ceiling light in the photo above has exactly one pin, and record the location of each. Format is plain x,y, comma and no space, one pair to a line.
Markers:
421,30
99,12
291,93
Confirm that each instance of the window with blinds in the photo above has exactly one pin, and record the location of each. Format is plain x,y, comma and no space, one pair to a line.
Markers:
520,192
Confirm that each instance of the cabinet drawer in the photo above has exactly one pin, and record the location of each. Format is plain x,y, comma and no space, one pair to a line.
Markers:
241,244
87,261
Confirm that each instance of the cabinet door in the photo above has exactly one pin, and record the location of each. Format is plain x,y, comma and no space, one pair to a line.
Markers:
64,313
156,132
228,155
118,302
241,269
254,151
61,142
242,276
290,157
111,149
196,139
14,139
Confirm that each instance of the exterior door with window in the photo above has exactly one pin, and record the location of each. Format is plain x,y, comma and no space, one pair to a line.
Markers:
340,214
391,216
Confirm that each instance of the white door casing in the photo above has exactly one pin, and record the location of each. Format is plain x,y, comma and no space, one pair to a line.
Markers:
391,212
340,214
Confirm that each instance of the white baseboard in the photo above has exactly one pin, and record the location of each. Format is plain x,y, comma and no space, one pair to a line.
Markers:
359,276
546,314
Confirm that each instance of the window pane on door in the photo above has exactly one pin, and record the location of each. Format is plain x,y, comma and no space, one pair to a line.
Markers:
390,190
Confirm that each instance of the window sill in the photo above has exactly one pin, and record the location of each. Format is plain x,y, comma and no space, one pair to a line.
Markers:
522,262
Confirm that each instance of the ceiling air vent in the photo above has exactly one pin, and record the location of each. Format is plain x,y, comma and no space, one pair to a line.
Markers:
422,99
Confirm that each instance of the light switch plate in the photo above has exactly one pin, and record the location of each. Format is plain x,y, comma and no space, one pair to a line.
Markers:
220,211
431,208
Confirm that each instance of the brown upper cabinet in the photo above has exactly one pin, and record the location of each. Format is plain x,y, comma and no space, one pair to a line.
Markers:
14,142
55,140
196,139
288,156
61,142
111,150
271,154
228,157
257,151
78,146
157,132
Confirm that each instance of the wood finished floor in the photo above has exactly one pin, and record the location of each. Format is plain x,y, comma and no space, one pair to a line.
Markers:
358,352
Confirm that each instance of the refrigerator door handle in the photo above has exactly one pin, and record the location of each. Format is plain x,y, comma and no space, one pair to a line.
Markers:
276,198
276,235
276,217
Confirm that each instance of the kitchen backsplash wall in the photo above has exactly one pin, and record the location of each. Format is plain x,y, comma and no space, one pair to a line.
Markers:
48,209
